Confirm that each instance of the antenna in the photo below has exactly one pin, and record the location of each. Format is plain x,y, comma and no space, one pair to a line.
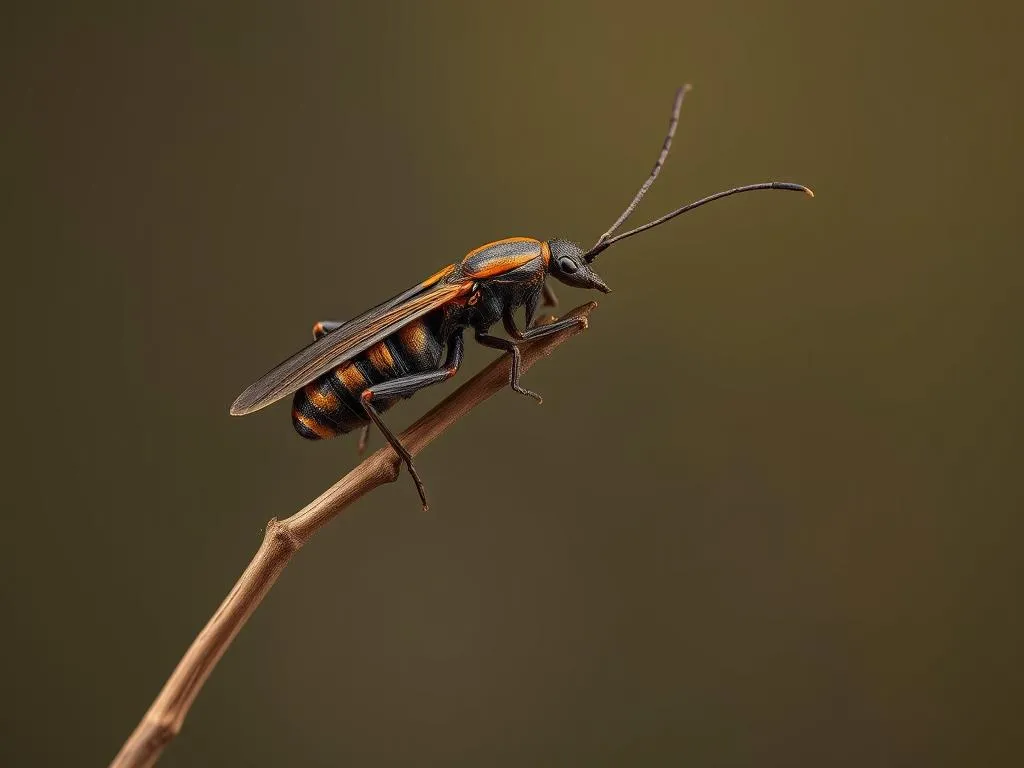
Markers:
604,243
673,121
607,238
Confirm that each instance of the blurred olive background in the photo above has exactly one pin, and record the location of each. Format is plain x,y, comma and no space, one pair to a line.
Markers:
769,513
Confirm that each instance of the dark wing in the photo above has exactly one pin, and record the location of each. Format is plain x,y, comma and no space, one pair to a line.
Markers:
335,348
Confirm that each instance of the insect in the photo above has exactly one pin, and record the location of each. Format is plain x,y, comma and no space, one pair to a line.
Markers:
355,370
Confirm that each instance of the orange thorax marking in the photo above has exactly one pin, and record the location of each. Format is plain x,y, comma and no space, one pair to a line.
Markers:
438,276
478,265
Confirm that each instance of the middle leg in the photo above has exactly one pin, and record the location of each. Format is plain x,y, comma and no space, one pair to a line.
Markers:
496,342
537,332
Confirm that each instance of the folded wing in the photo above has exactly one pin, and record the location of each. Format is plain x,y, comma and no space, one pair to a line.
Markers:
354,337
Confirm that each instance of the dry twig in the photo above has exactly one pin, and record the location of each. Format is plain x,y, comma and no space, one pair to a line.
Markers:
283,539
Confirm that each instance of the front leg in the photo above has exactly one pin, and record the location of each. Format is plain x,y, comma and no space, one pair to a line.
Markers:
550,299
539,331
545,297
496,342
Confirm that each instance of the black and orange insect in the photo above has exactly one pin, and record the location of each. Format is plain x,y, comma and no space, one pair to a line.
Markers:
355,370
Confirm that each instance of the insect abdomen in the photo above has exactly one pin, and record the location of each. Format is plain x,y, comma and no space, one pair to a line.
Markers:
330,405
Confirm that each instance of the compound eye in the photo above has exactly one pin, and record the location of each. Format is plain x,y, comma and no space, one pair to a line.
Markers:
567,265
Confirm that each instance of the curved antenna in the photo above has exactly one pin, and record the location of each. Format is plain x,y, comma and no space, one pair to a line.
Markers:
673,121
605,242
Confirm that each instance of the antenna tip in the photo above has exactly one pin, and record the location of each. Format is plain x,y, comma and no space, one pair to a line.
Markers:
686,88
792,187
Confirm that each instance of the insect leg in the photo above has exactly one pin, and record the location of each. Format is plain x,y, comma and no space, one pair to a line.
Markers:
543,320
545,297
404,387
496,342
550,300
324,327
539,331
